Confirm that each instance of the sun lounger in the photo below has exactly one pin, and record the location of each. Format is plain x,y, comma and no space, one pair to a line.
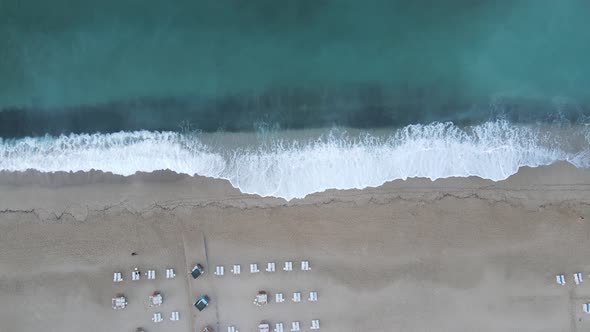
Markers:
560,279
170,274
295,327
313,296
315,324
279,298
151,274
288,266
157,317
578,278
219,270
297,297
254,268
117,277
237,269
279,327
232,329
174,316
135,275
586,307
270,267
305,266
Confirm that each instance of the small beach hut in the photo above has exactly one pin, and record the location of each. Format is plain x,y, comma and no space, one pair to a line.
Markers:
197,271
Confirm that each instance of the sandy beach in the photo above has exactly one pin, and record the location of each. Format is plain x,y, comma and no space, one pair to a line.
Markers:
460,254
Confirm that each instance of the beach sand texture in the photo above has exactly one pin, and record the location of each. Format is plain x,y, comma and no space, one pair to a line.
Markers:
460,254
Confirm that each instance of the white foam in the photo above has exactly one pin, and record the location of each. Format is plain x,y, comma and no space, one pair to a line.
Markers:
293,169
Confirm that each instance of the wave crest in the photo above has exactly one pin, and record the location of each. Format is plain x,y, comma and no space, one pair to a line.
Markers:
294,168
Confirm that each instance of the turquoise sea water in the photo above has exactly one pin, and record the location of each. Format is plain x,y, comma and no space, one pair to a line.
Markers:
129,65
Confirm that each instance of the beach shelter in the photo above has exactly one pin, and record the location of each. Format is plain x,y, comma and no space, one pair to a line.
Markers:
156,299
119,302
202,302
263,327
295,327
586,308
197,271
261,298
279,327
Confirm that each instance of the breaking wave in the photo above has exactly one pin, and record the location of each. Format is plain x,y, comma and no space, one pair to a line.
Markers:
293,168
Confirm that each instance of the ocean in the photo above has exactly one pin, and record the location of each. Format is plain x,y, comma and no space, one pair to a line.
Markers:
290,98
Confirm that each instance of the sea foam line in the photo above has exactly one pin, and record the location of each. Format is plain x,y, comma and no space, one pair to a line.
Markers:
294,169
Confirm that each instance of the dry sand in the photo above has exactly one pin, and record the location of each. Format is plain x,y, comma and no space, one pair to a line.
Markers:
450,255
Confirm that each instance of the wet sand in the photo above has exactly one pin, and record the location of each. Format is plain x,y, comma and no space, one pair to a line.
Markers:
450,255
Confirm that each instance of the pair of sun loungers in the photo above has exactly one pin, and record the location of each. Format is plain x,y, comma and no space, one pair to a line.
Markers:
296,326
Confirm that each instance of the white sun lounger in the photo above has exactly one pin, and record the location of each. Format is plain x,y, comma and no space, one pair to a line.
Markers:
313,296
288,266
170,274
270,267
560,279
219,270
135,274
586,307
279,298
174,316
315,324
117,277
279,327
157,317
295,327
151,274
305,266
578,278
297,297
254,268
237,269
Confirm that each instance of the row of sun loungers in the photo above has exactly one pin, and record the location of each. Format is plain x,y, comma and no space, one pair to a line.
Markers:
270,267
157,317
280,298
136,275
578,278
296,326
